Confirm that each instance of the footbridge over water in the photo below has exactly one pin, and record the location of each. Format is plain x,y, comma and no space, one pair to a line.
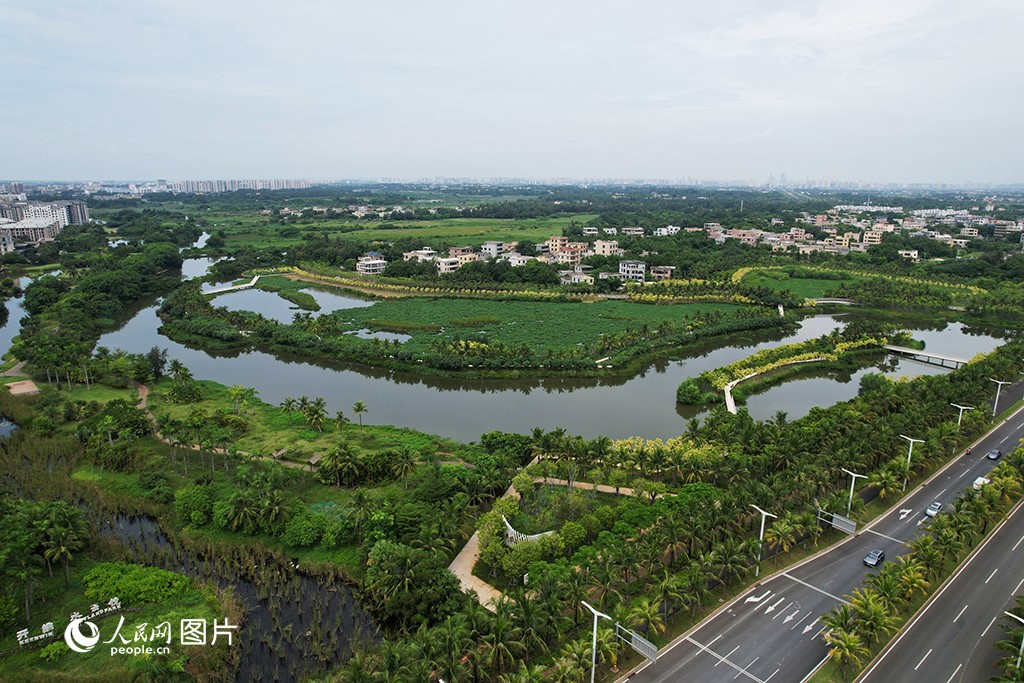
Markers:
927,356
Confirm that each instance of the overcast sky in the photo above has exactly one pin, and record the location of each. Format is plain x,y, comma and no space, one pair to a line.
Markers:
872,90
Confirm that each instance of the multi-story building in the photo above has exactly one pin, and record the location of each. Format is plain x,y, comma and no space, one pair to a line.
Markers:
30,230
633,232
424,254
667,230
447,265
370,265
589,231
633,270
492,249
607,248
662,272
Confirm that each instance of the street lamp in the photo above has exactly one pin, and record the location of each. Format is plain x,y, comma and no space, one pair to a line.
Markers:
593,644
853,482
909,453
1021,650
960,417
999,386
764,515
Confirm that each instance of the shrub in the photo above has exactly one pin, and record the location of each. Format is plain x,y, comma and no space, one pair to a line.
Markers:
304,530
194,505
132,583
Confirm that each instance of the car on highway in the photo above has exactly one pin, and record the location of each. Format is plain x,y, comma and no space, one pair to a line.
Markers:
875,557
934,509
994,454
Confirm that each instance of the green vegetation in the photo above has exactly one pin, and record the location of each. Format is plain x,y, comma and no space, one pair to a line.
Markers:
828,351
289,290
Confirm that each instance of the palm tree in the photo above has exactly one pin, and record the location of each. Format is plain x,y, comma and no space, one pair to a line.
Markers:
62,544
846,649
315,412
645,615
359,408
403,464
288,406
340,420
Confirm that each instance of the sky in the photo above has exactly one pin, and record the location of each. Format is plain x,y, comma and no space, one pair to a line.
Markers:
868,90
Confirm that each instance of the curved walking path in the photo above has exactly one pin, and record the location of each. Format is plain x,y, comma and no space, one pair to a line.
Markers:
143,404
462,565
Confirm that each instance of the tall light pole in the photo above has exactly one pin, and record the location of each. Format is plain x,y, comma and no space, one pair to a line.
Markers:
960,417
1021,650
999,386
764,515
909,453
853,482
593,644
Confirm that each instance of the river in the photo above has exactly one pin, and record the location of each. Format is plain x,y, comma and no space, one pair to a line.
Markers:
463,409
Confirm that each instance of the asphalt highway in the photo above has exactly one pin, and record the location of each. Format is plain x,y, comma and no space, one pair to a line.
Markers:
773,631
953,638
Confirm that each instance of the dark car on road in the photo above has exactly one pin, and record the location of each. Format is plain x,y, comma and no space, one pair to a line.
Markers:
875,557
994,454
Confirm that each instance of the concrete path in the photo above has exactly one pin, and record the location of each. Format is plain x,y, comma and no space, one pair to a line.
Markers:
730,402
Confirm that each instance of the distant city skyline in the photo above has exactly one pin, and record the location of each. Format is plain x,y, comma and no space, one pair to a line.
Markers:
875,92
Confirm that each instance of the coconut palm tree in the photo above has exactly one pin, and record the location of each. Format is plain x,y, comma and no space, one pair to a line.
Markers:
359,408
846,649
288,406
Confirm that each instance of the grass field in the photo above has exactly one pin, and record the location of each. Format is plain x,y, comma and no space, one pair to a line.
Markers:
805,287
541,325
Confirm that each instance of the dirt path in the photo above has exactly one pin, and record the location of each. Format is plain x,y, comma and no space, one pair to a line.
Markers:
143,404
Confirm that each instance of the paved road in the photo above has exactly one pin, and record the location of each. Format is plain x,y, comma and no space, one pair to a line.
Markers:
953,639
773,631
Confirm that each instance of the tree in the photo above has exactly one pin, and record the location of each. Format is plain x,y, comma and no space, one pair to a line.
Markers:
288,406
359,408
846,649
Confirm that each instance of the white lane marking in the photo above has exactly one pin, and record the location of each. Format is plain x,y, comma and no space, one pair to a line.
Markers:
758,599
771,608
961,614
790,617
1017,589
783,611
810,625
823,592
904,513
715,640
939,494
727,655
720,658
1018,542
820,631
802,620
955,671
992,574
932,600
743,672
989,626
922,660
878,533
965,472
772,676
815,669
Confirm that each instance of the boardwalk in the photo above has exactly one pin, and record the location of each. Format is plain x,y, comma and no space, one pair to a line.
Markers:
233,288
927,356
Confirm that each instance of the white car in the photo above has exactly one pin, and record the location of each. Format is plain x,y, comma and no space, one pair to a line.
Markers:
934,509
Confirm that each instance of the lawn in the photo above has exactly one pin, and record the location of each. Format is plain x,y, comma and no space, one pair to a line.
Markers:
471,231
542,326
271,429
807,288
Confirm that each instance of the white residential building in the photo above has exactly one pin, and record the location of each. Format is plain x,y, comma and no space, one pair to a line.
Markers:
590,231
515,259
492,249
447,265
610,231
421,255
633,270
370,265
633,232
667,230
